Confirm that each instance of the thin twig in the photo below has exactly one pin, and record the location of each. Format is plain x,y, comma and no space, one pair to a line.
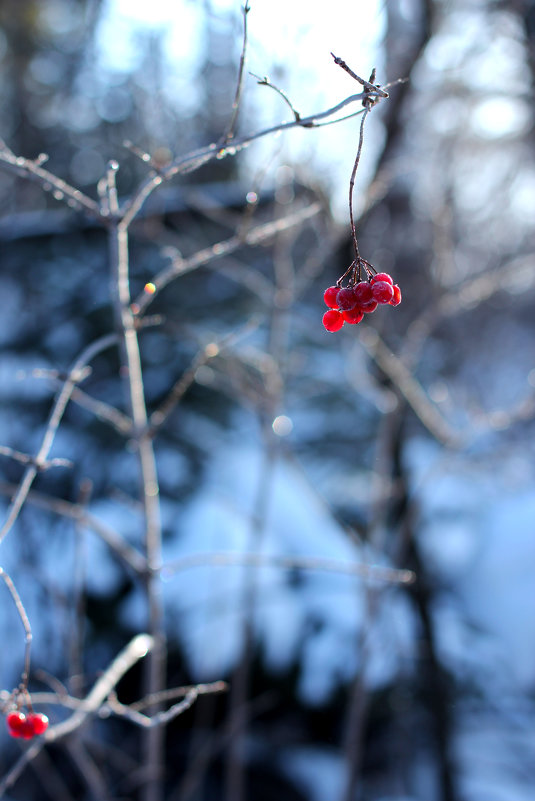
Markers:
160,718
25,623
136,649
198,158
177,392
26,458
50,183
75,374
254,236
103,411
368,572
118,546
239,87
370,86
266,82
64,700
410,388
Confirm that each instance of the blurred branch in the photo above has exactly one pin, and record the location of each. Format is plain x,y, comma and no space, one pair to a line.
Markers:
224,559
63,699
180,387
25,624
161,718
196,159
25,458
410,388
132,372
103,411
239,88
33,170
76,373
255,236
137,648
87,767
102,701
129,555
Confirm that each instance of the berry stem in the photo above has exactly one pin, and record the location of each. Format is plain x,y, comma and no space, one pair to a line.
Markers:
352,186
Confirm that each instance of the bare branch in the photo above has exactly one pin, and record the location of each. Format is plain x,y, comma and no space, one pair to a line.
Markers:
411,390
266,82
26,458
225,558
129,555
131,711
210,351
60,189
25,623
75,375
239,88
254,236
370,86
137,648
196,159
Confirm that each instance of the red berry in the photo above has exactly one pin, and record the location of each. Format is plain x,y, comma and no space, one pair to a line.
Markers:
381,277
383,292
396,300
16,722
38,722
363,293
333,320
367,308
346,299
26,730
353,316
329,296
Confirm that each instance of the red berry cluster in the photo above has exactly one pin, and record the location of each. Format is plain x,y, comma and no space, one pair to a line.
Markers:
349,304
26,726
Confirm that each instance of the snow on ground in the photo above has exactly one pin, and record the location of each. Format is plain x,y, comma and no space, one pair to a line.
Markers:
317,612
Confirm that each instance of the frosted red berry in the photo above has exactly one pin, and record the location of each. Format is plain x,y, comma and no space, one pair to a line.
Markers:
333,320
39,722
329,296
396,299
346,299
353,316
382,277
26,726
26,730
16,722
363,293
383,291
349,304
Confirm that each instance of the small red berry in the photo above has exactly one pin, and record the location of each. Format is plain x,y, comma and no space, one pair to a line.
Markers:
333,320
383,292
382,277
38,722
353,316
346,299
367,308
16,723
396,300
26,730
363,293
329,296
